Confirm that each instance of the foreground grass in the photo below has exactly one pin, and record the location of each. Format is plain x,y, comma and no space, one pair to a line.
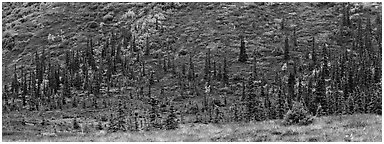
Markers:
359,128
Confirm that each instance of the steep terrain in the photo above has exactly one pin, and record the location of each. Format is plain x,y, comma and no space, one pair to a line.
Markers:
156,44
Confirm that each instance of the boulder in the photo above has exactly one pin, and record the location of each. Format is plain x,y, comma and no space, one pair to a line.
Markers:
93,24
108,17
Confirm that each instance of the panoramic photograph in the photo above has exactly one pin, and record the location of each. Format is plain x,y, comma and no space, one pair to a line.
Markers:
191,72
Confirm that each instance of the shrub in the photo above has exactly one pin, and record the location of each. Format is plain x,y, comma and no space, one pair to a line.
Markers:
75,124
297,115
171,121
99,126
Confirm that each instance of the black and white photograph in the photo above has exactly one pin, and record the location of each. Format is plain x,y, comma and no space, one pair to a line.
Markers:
204,71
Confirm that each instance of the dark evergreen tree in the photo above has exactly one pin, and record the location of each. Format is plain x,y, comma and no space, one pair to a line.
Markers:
282,24
15,83
147,48
313,56
207,69
66,86
119,122
171,121
321,91
24,87
143,69
5,97
133,45
267,103
294,38
286,49
154,113
243,54
191,73
76,125
279,105
346,15
225,72
291,89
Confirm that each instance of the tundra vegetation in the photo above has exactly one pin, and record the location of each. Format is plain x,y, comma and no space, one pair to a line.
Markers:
191,71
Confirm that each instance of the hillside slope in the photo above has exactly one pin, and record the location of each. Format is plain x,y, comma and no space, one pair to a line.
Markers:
156,66
193,27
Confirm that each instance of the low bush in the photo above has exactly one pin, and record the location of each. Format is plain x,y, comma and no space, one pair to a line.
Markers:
297,115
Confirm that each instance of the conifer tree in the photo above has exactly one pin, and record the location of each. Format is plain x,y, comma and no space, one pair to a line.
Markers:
294,38
15,82
104,51
183,70
147,48
254,73
314,59
267,103
207,69
133,45
243,54
225,72
143,69
191,74
286,49
66,86
346,15
24,86
164,65
214,69
279,105
113,44
5,97
325,61
378,30
118,58
321,91
291,89
153,114
171,122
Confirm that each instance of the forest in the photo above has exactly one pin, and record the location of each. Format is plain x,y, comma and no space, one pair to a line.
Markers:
72,69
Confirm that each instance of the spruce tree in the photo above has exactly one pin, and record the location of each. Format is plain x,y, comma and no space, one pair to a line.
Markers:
225,72
267,103
279,105
286,49
254,73
153,114
321,91
294,38
313,56
214,70
291,88
143,69
207,69
171,121
24,87
191,73
133,45
147,48
282,24
243,54
15,83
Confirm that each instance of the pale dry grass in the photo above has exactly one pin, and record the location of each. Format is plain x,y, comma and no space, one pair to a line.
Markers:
359,128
